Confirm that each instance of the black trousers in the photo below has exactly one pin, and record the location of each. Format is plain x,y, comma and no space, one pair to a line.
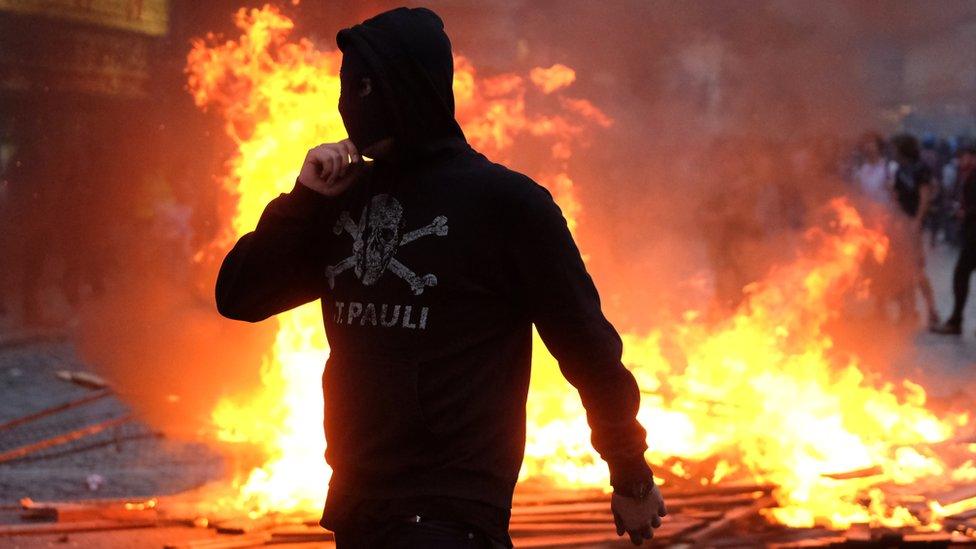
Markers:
408,533
965,266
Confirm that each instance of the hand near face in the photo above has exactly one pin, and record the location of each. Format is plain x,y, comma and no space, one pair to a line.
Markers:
331,168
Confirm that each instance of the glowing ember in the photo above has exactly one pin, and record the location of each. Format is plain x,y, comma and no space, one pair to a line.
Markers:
758,397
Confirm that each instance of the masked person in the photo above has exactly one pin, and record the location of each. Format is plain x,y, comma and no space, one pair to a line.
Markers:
432,264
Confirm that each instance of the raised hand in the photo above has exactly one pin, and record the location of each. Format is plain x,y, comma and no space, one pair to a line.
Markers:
331,168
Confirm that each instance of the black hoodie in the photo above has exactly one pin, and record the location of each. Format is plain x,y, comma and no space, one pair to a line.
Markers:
431,272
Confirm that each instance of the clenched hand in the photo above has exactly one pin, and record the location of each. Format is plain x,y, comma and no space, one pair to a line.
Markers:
331,168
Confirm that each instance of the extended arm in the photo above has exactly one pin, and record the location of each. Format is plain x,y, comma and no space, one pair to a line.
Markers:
564,305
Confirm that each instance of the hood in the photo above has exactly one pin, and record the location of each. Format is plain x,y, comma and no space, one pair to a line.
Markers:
410,56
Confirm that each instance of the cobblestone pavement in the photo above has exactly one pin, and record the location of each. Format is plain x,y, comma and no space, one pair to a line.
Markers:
128,460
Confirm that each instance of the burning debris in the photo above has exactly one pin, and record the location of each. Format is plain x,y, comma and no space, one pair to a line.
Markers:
762,430
761,396
719,516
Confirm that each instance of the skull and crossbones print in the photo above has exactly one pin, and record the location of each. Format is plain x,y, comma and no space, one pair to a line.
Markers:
376,238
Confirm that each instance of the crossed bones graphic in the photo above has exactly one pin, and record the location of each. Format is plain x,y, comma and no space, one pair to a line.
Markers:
376,238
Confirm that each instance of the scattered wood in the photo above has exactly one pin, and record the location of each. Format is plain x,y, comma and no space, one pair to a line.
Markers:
55,409
717,517
731,517
64,438
85,379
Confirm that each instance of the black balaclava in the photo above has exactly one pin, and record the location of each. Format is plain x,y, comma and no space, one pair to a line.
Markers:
360,103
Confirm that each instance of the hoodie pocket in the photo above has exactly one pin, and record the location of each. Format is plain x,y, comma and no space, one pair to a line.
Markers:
373,423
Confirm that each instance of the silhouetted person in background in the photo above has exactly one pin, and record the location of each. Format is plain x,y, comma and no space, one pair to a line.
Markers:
967,253
913,188
432,264
872,176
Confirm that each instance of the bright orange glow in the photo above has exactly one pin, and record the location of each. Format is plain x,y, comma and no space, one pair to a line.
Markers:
758,396
551,79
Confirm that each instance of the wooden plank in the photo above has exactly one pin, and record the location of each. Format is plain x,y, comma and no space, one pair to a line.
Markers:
673,503
718,490
719,526
963,516
64,438
928,539
77,512
55,409
532,495
669,530
70,527
85,379
300,533
955,495
858,473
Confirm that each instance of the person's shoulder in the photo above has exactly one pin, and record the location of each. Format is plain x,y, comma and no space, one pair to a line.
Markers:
500,181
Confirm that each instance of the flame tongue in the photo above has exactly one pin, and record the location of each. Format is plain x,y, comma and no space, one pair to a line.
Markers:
756,397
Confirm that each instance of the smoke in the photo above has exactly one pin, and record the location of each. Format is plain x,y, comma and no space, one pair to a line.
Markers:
733,123
730,126
167,353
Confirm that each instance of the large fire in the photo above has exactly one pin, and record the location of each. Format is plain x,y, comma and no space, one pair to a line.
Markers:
760,396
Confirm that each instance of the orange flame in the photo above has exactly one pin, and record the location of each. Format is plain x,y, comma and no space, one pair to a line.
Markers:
759,396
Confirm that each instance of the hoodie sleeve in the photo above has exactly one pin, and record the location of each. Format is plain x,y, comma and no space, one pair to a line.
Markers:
562,301
274,267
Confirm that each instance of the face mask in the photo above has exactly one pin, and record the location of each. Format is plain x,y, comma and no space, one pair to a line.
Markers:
360,104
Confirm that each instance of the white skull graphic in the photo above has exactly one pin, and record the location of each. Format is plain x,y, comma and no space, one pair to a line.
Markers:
376,239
